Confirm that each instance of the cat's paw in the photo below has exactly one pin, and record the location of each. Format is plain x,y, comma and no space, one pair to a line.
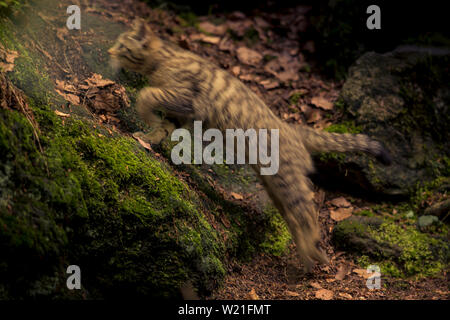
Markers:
157,134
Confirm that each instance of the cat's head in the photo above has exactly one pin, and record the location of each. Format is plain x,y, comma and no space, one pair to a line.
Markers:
133,48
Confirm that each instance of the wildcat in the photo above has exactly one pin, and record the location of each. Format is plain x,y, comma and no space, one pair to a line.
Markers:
187,87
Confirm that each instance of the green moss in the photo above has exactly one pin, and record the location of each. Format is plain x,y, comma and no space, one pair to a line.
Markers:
277,236
104,198
417,256
7,6
344,127
29,70
425,191
188,19
399,250
295,97
332,157
365,213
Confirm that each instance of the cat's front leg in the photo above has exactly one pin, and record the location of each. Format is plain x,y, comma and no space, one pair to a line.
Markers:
167,102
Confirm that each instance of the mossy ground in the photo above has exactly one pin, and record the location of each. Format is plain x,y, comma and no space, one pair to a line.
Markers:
106,206
394,242
97,200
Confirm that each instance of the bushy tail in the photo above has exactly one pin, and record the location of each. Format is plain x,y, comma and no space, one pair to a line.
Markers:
322,141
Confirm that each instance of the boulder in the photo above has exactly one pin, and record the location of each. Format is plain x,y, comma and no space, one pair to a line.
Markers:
402,99
398,250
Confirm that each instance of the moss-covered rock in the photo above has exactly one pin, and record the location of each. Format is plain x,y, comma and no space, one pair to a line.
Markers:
401,99
398,250
75,192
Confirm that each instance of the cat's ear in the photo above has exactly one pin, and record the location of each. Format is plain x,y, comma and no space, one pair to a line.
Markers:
141,31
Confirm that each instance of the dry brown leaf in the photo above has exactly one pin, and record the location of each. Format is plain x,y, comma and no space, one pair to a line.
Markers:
313,116
146,145
249,56
246,77
204,38
207,26
362,273
226,44
65,86
322,103
62,114
269,84
292,293
341,214
239,27
345,295
61,33
324,294
236,70
73,99
237,196
252,295
340,202
96,80
315,285
7,58
342,272
260,22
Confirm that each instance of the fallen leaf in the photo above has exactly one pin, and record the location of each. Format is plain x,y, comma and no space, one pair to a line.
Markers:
292,293
72,98
315,285
362,273
62,114
260,22
61,33
324,294
313,116
226,44
236,70
342,272
207,26
345,295
252,295
341,213
237,15
239,27
204,38
249,56
146,145
269,84
7,58
246,77
322,103
96,80
340,202
237,196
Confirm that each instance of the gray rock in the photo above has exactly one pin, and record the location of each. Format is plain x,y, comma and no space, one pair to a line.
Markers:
426,221
401,99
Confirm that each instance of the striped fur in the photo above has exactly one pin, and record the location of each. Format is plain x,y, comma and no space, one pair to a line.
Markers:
188,87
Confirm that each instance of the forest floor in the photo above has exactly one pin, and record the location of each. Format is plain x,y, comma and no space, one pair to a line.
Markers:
267,52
